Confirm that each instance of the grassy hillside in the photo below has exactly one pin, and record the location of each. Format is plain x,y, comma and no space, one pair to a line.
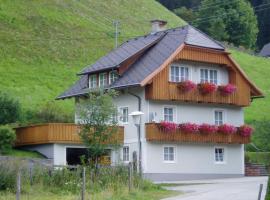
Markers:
44,43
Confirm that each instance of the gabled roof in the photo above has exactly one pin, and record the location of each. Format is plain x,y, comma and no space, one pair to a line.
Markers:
265,50
157,48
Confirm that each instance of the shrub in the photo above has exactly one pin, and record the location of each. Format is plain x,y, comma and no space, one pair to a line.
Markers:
189,127
227,89
245,130
207,128
187,86
227,129
7,138
207,88
10,109
168,126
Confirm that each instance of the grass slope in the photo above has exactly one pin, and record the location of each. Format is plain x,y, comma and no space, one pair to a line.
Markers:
24,154
43,44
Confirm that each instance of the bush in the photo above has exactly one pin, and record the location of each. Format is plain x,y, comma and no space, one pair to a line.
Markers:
7,138
10,109
258,157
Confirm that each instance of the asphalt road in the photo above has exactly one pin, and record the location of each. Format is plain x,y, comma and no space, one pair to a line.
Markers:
246,188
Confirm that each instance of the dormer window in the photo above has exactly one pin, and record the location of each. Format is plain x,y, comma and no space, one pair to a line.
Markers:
208,75
103,79
93,81
178,73
113,76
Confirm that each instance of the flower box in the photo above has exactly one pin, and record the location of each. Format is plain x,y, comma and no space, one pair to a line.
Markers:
186,86
168,126
227,89
207,128
227,129
245,130
207,88
189,128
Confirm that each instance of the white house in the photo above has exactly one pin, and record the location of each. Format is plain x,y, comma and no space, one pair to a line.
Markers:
149,72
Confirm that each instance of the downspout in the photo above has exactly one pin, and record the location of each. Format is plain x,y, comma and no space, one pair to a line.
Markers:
139,132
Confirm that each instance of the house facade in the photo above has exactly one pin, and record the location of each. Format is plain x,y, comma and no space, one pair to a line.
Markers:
191,93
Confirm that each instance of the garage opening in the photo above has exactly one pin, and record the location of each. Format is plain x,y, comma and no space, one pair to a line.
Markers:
74,155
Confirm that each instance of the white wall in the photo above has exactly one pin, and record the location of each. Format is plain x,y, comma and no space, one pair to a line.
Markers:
45,149
197,113
195,159
194,69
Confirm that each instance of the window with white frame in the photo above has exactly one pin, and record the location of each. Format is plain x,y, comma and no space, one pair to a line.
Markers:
124,114
219,155
168,114
103,79
208,75
113,76
169,154
178,74
219,117
126,154
93,81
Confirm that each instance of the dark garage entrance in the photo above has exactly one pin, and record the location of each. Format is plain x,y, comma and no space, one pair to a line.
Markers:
73,155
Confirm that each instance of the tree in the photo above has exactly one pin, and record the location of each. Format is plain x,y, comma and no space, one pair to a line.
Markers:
7,138
234,21
185,13
98,123
10,109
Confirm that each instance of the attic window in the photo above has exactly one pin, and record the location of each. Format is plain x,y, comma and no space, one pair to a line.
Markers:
103,79
93,81
178,73
113,76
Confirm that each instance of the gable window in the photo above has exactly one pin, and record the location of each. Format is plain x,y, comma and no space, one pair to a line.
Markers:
208,75
219,155
168,114
113,76
125,153
169,154
219,117
103,79
178,74
93,81
124,114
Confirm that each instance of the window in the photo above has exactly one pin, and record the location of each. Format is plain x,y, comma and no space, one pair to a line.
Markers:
93,81
179,74
219,155
103,79
113,76
169,154
124,114
219,118
168,114
208,75
126,154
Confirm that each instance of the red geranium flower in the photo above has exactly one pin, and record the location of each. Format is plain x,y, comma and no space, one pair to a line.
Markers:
207,128
189,127
245,130
168,126
207,88
227,129
227,89
187,86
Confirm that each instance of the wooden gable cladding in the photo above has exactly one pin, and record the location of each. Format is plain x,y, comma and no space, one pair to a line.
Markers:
159,88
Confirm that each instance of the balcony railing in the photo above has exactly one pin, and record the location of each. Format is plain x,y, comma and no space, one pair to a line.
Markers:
155,134
54,133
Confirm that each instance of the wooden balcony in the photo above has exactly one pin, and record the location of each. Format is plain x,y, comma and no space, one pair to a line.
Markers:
154,134
54,133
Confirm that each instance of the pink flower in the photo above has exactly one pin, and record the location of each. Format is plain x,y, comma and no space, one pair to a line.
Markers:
168,126
187,86
207,128
207,88
189,127
227,129
227,89
245,130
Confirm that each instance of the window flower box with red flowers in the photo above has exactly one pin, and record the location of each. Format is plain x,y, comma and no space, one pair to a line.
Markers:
227,129
189,128
186,86
245,130
227,89
207,128
168,126
207,88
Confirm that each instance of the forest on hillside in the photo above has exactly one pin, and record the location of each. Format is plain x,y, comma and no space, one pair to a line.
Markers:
240,22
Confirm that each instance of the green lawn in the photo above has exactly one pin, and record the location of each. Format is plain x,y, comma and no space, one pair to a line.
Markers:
24,154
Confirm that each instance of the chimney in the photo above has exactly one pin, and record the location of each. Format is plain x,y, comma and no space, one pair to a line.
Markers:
158,25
